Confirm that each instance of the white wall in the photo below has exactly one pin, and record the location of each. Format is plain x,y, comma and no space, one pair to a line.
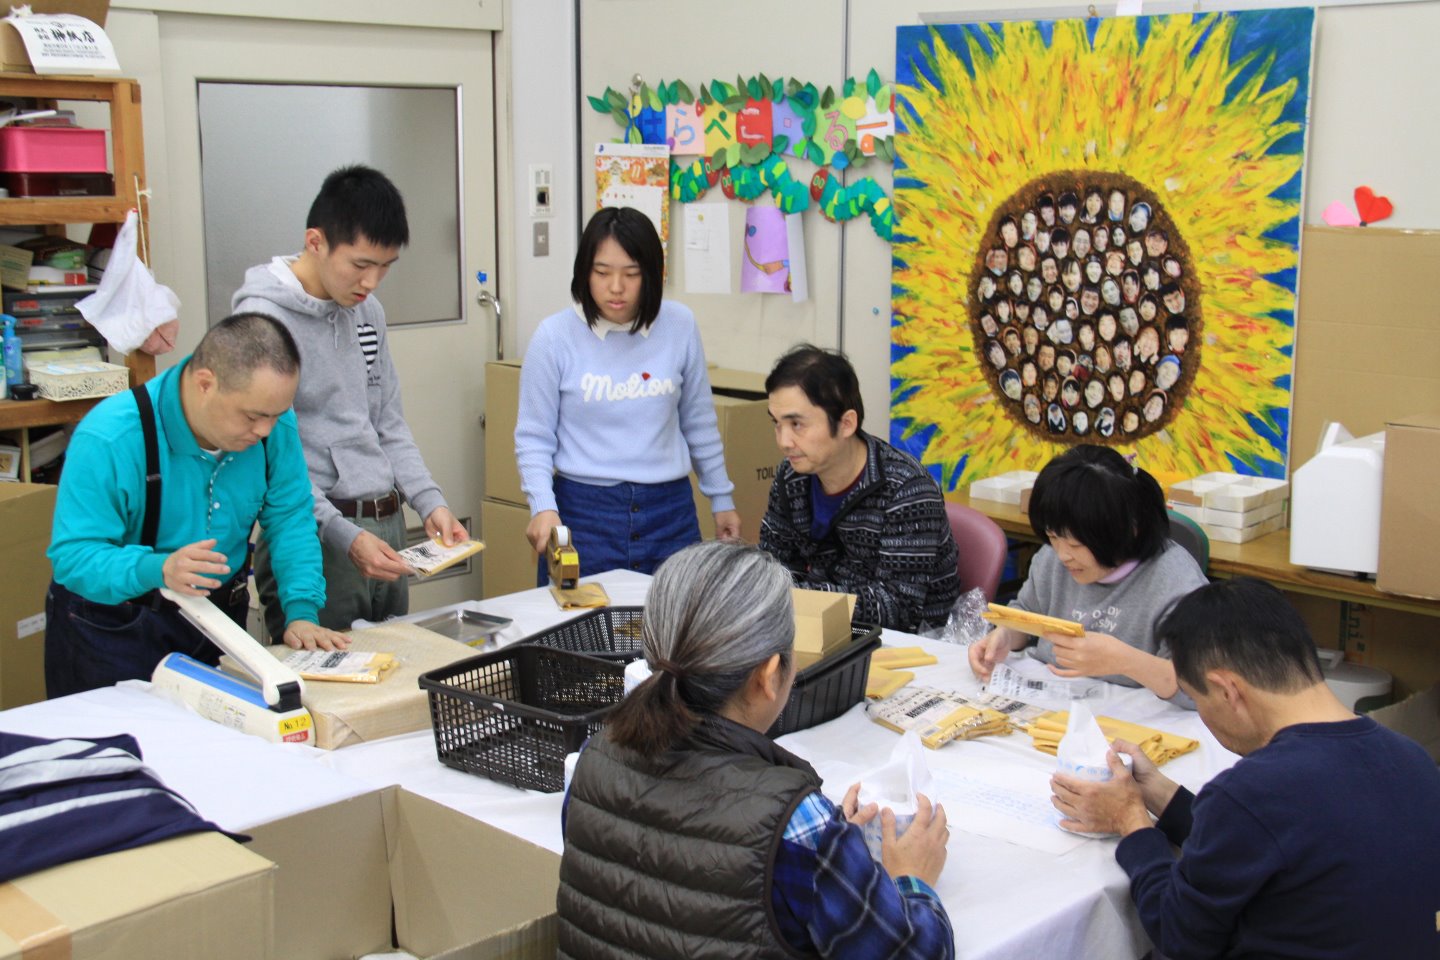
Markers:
1376,94
539,41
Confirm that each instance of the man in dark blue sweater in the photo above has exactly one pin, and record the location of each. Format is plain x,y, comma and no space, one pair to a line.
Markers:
1323,841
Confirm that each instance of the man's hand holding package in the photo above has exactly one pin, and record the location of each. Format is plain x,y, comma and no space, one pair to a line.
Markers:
855,813
441,525
303,635
1116,805
376,559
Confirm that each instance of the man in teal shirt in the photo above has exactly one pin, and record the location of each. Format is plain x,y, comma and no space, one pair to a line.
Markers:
228,454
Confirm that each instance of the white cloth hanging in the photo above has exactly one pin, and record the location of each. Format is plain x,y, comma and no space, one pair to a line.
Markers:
130,309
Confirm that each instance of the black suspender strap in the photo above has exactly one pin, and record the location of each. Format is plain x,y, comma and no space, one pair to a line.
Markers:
151,525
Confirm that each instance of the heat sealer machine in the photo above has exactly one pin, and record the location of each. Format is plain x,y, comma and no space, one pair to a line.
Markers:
269,708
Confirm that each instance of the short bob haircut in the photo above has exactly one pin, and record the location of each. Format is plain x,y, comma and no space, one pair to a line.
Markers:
1243,625
637,237
1096,496
359,202
825,377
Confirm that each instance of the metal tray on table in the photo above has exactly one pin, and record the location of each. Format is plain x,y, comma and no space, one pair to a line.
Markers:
470,627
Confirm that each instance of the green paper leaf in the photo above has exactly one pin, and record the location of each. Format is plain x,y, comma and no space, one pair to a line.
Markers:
739,86
815,155
621,117
616,101
717,90
872,83
685,95
652,99
792,88
827,99
850,87
777,92
884,149
734,104
851,151
632,135
752,87
733,155
764,84
705,97
780,143
598,105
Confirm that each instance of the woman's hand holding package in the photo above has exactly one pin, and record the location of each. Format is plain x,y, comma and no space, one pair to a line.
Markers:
988,652
920,852
1093,655
855,813
538,530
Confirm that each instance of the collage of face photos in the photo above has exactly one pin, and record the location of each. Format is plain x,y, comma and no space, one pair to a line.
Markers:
1085,309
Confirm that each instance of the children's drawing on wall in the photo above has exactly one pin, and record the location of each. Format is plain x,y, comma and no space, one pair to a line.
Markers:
1109,254
773,253
635,175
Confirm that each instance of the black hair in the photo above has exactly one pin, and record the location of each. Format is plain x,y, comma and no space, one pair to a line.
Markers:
359,202
1067,199
1243,625
825,377
1045,201
637,237
1059,235
242,343
1096,496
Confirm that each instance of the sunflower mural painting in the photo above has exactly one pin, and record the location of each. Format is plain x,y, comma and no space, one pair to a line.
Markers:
1097,240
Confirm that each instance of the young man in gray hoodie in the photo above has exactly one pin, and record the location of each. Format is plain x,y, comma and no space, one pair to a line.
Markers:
362,458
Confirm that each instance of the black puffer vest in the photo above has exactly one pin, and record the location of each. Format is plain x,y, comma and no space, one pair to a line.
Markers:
674,857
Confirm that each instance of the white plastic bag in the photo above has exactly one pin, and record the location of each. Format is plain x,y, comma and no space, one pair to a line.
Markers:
895,785
130,309
964,625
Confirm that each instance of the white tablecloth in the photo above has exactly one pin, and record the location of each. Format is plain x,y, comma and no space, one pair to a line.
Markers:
1005,900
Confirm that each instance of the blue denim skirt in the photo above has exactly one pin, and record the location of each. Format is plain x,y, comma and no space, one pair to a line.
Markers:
628,526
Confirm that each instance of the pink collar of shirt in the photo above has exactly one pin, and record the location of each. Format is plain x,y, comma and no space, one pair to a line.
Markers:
1120,572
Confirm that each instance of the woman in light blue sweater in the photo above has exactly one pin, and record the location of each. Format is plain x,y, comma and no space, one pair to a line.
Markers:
1108,563
615,408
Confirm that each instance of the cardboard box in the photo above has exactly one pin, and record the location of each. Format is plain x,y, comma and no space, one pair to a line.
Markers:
1409,509
26,510
502,408
1230,492
14,58
1243,534
1365,349
822,620
349,713
508,564
751,456
1234,519
1005,487
455,887
200,895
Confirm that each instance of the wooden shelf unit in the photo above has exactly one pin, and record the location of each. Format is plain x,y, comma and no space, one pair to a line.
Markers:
127,162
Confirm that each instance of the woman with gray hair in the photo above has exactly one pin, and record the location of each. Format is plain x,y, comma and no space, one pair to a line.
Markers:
689,833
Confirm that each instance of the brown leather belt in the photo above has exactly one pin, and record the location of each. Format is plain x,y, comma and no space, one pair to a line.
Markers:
377,509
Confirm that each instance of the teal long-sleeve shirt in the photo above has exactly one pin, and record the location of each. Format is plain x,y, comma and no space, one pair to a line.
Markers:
95,542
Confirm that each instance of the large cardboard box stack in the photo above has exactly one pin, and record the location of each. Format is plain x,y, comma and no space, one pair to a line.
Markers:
26,510
1410,509
750,459
1231,507
200,895
454,886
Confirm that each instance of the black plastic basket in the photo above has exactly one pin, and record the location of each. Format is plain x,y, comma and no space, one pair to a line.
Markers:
827,689
514,714
610,633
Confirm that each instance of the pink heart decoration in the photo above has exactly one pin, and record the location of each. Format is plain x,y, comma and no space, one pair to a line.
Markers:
1340,215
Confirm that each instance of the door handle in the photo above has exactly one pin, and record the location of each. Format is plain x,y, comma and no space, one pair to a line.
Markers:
487,299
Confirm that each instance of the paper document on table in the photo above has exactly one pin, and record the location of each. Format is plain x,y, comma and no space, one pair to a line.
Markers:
1017,809
356,666
429,557
1030,680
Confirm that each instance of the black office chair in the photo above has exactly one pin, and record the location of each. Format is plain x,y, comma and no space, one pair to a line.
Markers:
1191,536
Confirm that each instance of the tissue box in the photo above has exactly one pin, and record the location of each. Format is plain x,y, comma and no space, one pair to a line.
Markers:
79,379
1228,491
1005,488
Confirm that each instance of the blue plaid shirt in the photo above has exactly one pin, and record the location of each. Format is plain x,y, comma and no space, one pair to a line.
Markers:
831,897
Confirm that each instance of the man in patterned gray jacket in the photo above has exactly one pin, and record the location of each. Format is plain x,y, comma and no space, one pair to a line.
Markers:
850,513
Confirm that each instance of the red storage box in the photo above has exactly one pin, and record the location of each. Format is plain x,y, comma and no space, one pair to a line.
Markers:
52,150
